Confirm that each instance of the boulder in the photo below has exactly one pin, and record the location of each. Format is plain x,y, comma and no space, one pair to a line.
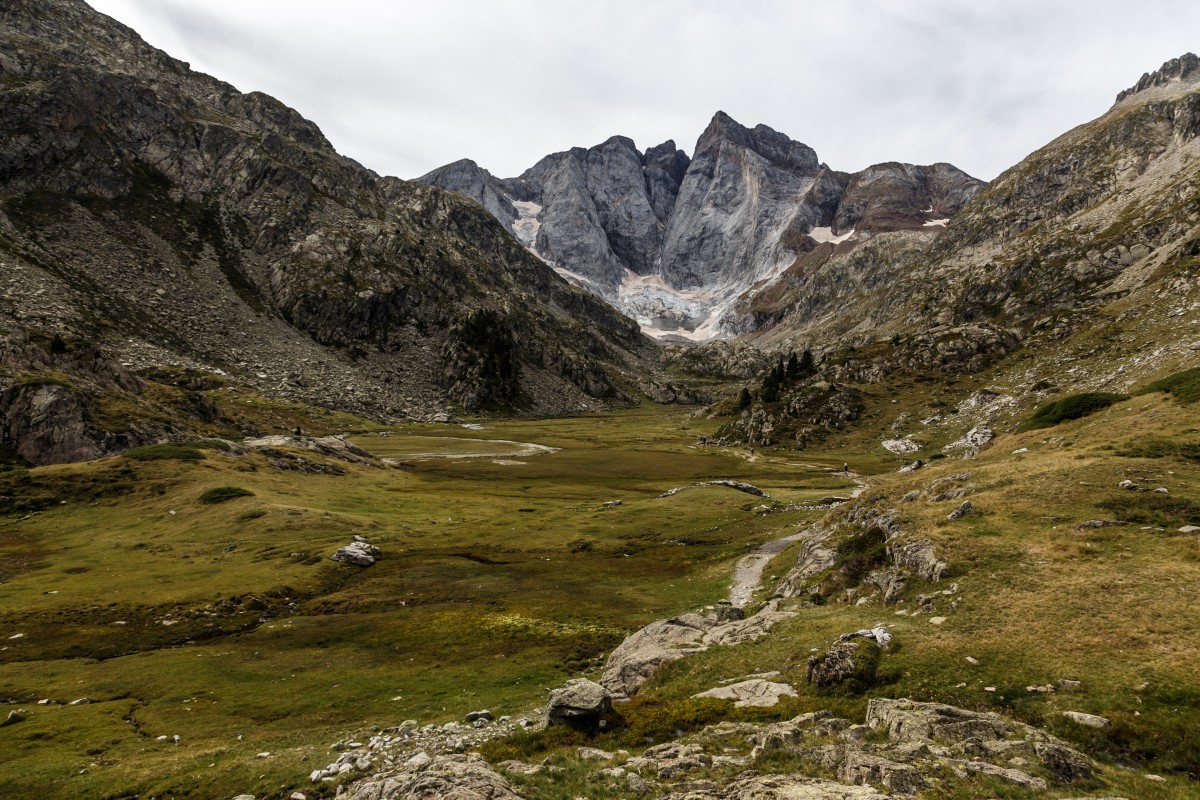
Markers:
594,754
965,510
901,447
879,635
917,555
360,554
788,734
842,662
578,702
670,759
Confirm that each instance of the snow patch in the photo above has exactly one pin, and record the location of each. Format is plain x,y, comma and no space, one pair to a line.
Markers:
825,236
526,226
941,223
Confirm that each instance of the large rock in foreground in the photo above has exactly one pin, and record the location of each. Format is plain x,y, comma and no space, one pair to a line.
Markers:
578,702
449,777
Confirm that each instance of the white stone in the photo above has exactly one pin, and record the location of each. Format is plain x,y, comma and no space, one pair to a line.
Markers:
1089,720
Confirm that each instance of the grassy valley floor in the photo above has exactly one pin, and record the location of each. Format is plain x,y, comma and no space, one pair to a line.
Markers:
227,625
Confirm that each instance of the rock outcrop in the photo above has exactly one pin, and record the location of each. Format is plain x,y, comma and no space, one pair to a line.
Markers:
578,702
635,660
451,777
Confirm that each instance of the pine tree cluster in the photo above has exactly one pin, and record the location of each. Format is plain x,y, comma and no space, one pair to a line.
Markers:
783,375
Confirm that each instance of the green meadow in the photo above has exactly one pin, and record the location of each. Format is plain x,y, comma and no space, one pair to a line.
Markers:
189,592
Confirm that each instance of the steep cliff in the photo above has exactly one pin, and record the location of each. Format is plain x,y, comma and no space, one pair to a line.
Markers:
675,242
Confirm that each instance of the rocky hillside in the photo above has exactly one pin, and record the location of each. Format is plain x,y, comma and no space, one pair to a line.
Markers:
171,219
1086,252
1104,211
674,241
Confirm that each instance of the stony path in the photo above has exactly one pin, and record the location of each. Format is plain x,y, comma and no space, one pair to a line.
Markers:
748,572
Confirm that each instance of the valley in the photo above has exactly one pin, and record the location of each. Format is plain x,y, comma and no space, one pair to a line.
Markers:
239,635
715,476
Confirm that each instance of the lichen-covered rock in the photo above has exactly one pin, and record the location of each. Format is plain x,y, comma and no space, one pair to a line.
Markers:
779,787
444,777
637,657
916,722
861,767
360,554
843,662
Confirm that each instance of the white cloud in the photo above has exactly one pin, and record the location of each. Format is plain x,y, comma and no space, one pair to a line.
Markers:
406,86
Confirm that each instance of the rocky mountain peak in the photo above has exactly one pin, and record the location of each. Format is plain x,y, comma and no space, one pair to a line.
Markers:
767,142
1185,69
664,166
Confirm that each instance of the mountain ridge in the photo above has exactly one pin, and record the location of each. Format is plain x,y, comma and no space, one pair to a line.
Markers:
172,219
675,248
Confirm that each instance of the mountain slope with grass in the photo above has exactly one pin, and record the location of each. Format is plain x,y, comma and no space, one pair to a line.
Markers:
1106,210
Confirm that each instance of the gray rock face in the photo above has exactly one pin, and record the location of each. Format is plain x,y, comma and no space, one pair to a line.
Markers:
597,218
665,166
470,180
740,211
735,204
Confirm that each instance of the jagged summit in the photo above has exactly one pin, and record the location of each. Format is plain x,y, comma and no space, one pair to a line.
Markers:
675,241
764,140
1185,69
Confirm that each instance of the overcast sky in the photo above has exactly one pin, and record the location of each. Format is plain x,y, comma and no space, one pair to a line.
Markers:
407,85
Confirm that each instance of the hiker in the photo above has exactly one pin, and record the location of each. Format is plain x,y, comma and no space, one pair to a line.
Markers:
846,468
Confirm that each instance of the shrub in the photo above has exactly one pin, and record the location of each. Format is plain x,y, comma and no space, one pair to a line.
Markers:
859,554
1183,386
1073,406
224,493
